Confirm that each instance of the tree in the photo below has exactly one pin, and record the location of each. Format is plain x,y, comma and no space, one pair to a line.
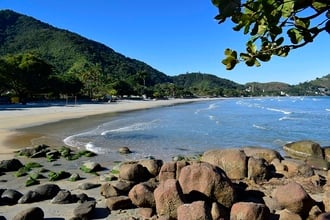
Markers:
277,26
25,74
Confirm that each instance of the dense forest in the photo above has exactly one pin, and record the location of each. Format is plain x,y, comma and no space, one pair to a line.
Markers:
39,61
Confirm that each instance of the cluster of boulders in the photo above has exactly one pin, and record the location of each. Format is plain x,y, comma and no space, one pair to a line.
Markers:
246,183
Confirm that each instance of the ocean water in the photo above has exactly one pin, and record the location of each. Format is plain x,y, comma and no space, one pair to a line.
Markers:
191,129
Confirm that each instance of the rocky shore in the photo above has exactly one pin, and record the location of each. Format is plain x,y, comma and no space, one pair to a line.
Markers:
247,183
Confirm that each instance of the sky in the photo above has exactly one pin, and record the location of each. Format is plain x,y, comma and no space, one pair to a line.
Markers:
174,37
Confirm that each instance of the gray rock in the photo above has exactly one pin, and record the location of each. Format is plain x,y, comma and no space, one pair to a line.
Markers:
34,213
47,191
30,197
87,186
10,165
11,196
119,202
124,150
62,197
84,210
91,166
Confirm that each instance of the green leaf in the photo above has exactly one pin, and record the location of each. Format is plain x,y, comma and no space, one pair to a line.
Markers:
283,51
230,62
279,41
302,23
320,5
245,56
295,35
251,47
264,57
287,8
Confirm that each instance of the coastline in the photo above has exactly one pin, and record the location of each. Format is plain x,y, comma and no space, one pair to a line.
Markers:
22,126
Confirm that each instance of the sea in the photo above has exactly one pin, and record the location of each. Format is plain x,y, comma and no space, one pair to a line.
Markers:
191,129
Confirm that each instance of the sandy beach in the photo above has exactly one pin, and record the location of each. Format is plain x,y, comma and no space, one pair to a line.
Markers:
20,124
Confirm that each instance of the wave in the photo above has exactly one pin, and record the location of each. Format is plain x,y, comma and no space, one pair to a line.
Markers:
140,126
327,109
259,127
279,110
210,107
288,118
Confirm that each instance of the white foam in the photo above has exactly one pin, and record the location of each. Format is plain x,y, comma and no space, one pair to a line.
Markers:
279,110
259,127
140,126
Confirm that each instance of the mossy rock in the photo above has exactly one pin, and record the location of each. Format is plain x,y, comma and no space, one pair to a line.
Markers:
304,149
32,165
31,181
23,171
54,176
74,177
87,153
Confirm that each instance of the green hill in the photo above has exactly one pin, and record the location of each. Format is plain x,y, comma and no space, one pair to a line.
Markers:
63,49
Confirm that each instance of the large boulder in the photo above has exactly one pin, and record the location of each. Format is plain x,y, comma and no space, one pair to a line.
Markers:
258,169
10,196
296,167
304,149
202,181
152,165
171,170
119,202
294,198
84,210
142,195
259,152
196,210
232,161
249,210
47,191
132,171
168,197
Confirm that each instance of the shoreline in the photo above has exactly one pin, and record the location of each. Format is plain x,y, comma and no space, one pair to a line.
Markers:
24,126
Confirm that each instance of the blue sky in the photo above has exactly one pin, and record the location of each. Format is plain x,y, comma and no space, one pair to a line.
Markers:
173,36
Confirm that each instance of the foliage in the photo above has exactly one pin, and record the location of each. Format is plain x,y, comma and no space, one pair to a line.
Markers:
277,26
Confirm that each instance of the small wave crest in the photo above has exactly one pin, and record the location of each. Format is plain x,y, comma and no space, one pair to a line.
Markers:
210,107
279,110
140,126
259,127
327,109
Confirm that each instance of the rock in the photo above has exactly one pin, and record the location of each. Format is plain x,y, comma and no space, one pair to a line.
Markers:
107,190
142,195
124,150
314,212
326,199
232,161
249,210
30,151
34,213
62,197
326,151
10,196
84,210
195,210
304,149
87,186
324,216
297,168
259,152
202,181
272,204
74,177
90,166
317,163
294,198
168,197
108,177
146,213
30,197
119,202
82,197
152,165
258,169
122,186
10,165
287,215
171,170
47,191
219,212
132,171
